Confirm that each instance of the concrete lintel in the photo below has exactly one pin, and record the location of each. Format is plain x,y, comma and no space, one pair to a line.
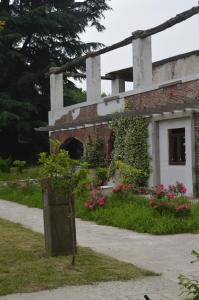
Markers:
172,115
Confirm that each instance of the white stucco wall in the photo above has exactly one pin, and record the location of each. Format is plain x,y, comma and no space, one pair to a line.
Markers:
110,107
176,69
170,174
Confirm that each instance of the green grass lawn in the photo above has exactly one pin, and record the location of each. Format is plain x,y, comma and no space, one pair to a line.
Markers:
27,173
25,268
30,195
130,212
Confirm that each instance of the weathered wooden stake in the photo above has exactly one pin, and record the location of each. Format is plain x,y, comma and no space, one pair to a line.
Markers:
59,222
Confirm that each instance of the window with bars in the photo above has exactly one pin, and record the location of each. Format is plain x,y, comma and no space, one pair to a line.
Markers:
177,155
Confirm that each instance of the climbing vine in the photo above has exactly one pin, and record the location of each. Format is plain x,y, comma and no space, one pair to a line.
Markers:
130,144
94,152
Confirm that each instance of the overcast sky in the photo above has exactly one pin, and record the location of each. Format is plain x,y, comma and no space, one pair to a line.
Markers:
127,16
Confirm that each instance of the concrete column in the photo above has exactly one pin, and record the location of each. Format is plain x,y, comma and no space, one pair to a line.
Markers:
56,91
117,86
93,78
142,63
154,152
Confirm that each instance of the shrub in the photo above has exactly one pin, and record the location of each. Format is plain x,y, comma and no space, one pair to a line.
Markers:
96,199
122,187
94,152
63,172
19,165
5,164
171,200
128,174
183,210
101,174
190,286
172,192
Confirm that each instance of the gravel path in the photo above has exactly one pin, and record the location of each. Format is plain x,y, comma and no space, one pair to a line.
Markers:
169,254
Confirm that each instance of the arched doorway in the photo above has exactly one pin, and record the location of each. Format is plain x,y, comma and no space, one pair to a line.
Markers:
74,147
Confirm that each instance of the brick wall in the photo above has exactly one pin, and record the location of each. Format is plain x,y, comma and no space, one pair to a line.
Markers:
187,92
102,131
86,112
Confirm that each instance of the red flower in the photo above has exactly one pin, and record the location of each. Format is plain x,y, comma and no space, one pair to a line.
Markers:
100,201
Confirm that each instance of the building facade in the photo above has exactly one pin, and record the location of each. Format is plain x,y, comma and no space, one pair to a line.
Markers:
165,92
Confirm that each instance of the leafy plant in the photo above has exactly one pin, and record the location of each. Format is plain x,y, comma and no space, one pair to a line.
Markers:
63,172
19,165
130,145
171,200
5,164
94,152
101,174
190,286
129,174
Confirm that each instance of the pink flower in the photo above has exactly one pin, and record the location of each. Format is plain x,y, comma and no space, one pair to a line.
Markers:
100,201
138,190
183,190
182,206
170,195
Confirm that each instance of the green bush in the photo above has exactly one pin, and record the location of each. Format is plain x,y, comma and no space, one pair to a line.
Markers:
190,286
5,165
101,174
94,152
19,165
130,175
60,170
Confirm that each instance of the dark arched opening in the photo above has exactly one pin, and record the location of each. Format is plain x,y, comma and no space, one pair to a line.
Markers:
74,147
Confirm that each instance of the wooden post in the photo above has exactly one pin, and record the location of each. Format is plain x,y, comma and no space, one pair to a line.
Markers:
59,222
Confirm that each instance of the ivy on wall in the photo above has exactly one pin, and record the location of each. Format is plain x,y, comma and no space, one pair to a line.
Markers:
131,145
94,152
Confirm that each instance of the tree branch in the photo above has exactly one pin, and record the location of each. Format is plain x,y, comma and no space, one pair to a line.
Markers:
135,35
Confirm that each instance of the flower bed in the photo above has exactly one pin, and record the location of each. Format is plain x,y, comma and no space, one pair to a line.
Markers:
157,212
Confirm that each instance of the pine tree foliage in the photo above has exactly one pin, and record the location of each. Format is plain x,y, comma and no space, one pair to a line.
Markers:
36,35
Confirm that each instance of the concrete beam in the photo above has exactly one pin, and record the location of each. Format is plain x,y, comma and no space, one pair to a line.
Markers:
142,63
56,91
117,86
93,78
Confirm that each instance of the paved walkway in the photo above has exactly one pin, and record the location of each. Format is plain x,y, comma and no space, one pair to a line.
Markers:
169,255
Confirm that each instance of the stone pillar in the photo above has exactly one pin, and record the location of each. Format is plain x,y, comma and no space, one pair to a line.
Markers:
117,86
93,78
56,91
142,63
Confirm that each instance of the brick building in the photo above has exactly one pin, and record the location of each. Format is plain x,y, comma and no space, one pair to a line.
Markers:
165,92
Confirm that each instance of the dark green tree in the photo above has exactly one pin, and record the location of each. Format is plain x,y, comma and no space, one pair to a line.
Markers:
37,34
